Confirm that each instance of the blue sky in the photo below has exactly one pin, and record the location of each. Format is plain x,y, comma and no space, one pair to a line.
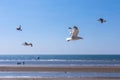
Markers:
45,23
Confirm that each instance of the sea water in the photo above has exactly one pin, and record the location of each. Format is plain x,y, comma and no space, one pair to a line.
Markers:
60,60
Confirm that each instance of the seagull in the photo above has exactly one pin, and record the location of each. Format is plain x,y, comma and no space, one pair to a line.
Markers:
73,34
27,44
101,20
19,28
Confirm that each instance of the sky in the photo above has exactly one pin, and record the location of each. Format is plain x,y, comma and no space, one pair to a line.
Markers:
45,24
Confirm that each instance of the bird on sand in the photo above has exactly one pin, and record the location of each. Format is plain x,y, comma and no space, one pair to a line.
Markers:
19,28
28,44
73,34
101,20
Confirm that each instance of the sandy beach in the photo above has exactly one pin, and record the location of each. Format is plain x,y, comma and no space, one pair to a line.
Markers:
9,78
62,68
109,69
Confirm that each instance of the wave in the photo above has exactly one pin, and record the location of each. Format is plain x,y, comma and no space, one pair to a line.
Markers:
57,62
56,74
64,60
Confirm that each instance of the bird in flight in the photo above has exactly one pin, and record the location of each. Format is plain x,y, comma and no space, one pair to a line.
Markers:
101,20
19,28
28,44
73,34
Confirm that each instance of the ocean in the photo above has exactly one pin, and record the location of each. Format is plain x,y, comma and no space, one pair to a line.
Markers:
59,60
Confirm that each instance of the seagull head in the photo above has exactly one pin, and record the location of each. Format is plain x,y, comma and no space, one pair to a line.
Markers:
75,27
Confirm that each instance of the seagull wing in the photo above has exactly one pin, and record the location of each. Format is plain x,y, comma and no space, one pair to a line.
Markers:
104,20
19,27
70,30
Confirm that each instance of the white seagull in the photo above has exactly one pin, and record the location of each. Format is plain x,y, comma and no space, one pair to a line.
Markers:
74,34
19,28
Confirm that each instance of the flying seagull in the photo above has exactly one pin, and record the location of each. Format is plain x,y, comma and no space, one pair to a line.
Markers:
73,34
101,20
19,28
27,44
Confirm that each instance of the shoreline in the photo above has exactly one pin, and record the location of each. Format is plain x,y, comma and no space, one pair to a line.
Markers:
62,68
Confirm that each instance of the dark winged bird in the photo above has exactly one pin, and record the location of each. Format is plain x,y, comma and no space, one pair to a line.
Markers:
73,34
101,20
19,28
28,44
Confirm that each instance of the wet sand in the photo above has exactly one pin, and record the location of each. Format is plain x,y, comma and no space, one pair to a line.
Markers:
62,68
8,78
